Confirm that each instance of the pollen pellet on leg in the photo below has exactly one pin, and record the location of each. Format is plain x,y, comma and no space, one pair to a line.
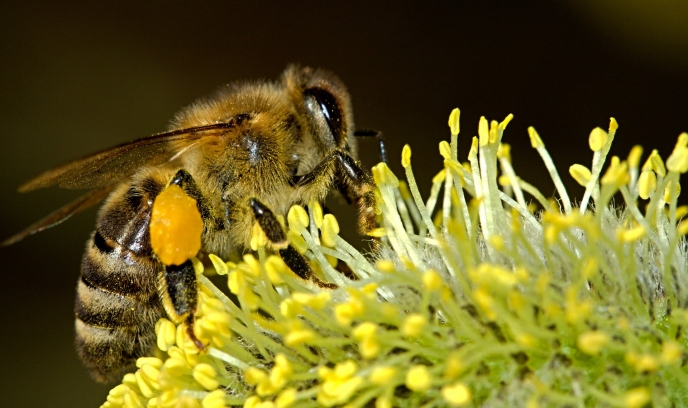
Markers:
175,227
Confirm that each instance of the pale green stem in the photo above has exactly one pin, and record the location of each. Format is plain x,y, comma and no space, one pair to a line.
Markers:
521,210
432,200
419,202
446,203
496,208
479,193
395,220
642,221
330,273
532,190
549,164
462,201
513,179
672,201
415,214
488,223
231,360
403,211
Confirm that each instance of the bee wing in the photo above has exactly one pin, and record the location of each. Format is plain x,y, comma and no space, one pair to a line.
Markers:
111,165
56,217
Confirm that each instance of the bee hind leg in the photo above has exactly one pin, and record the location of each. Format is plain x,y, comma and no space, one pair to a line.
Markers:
179,290
273,231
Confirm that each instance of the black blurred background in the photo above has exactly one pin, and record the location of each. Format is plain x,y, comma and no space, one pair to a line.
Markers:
79,77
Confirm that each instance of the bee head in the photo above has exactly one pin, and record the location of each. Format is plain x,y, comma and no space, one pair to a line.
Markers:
324,103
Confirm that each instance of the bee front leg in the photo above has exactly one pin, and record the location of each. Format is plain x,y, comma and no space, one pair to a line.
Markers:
273,231
354,183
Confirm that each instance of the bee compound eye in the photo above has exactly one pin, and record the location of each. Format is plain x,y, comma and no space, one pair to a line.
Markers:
327,106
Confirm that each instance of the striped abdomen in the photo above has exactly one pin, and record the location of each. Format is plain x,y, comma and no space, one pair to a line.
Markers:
117,304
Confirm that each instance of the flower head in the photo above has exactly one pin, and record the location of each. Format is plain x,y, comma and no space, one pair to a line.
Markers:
472,297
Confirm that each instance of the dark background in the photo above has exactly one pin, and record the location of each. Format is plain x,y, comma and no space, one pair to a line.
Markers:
76,78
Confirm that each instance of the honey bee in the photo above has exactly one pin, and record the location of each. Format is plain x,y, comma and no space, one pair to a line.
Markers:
245,155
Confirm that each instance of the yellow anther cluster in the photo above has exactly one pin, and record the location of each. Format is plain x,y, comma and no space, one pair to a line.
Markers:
382,375
489,275
349,310
642,362
286,398
330,229
634,156
258,237
414,324
205,375
632,234
314,301
656,164
535,140
617,173
123,396
671,352
597,139
214,399
647,183
432,280
338,384
454,366
271,383
406,156
592,342
317,211
383,175
418,378
678,160
445,150
368,344
504,151
485,301
297,218
166,333
636,397
581,174
385,265
213,322
456,394
494,132
454,121
439,177
483,132
298,335
275,268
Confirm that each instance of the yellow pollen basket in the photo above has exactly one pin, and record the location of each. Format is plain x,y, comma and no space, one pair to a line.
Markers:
175,226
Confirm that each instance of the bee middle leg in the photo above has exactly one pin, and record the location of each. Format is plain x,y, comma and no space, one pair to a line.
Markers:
273,231
184,180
